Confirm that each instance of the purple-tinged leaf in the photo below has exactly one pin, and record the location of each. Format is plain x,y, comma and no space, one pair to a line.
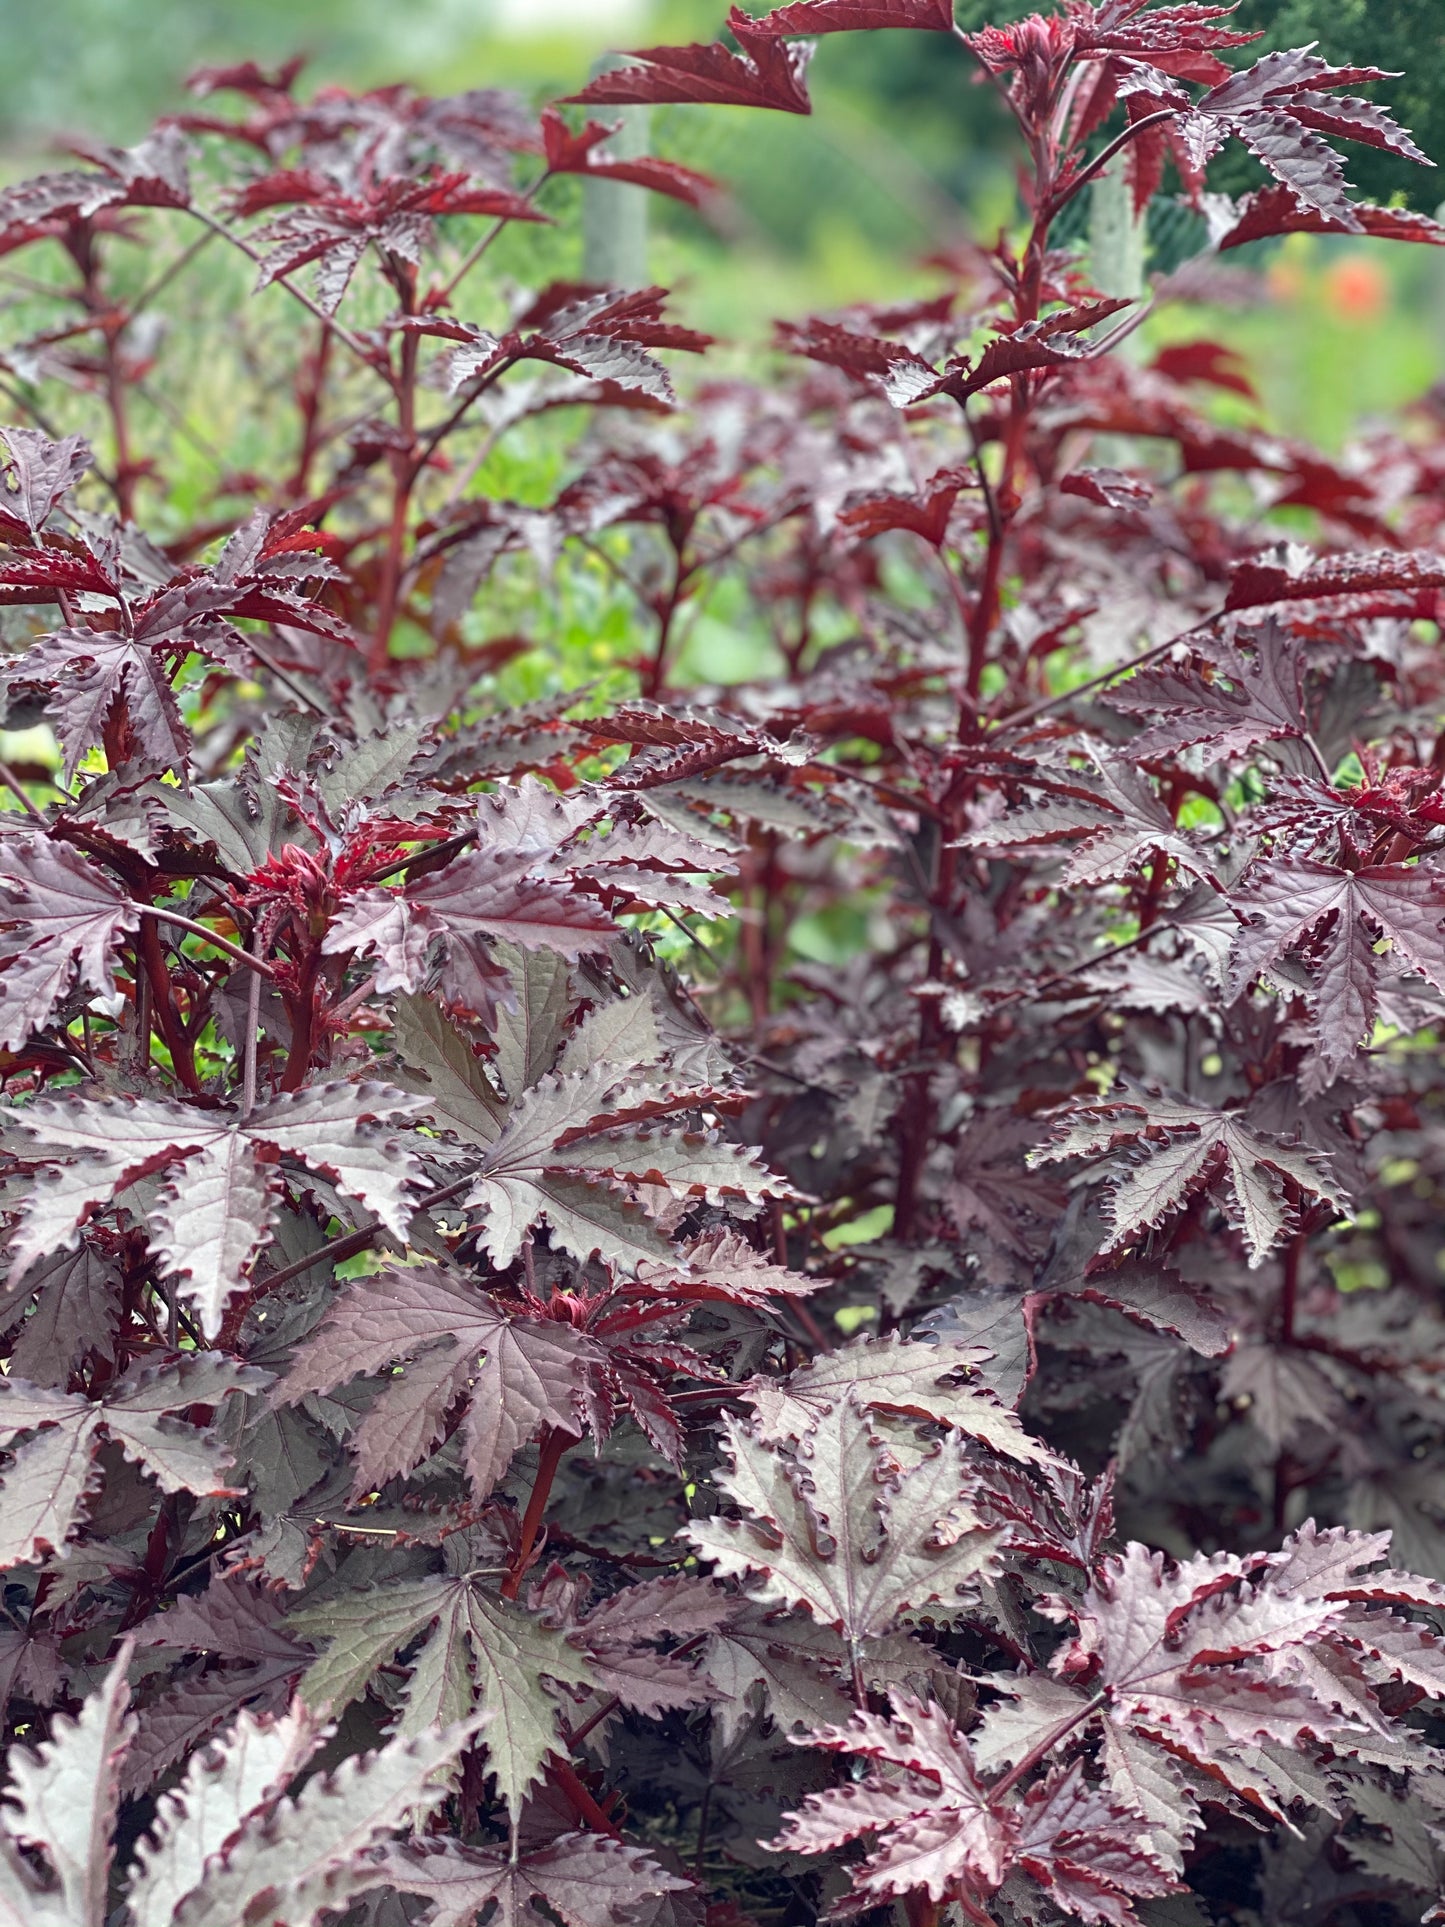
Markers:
854,16
518,1374
764,74
39,473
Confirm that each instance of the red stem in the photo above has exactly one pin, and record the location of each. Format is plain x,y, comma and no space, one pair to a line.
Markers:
916,1115
556,1443
654,679
311,390
1045,1746
1154,891
303,1025
1059,201
405,471
915,1126
172,1032
585,1806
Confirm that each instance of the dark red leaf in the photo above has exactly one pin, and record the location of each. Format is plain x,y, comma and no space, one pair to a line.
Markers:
1110,488
1206,361
1384,582
765,74
569,153
849,16
1274,210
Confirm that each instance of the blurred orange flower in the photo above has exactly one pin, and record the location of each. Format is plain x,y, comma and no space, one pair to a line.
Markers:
1356,288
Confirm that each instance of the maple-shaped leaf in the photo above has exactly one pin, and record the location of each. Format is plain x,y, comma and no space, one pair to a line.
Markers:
587,842
1280,108
495,895
332,221
903,374
906,377
64,918
1113,821
227,1848
897,1376
516,1373
1086,1852
1174,1148
604,336
1183,1652
764,74
622,1631
211,1217
584,1879
933,1811
38,473
835,1527
152,174
1230,700
111,683
783,1664
942,1830
1053,341
88,674
479,1651
1222,1653
1284,1391
77,1308
48,1483
560,1159
1336,918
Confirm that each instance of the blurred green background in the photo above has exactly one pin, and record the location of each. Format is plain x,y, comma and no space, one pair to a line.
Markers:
903,152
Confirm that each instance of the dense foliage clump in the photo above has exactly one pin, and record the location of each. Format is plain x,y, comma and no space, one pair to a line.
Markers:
647,1302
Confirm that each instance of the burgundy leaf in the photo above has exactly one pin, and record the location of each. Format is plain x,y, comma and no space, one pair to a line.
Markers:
1274,210
763,74
1110,488
847,16
583,153
1338,917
